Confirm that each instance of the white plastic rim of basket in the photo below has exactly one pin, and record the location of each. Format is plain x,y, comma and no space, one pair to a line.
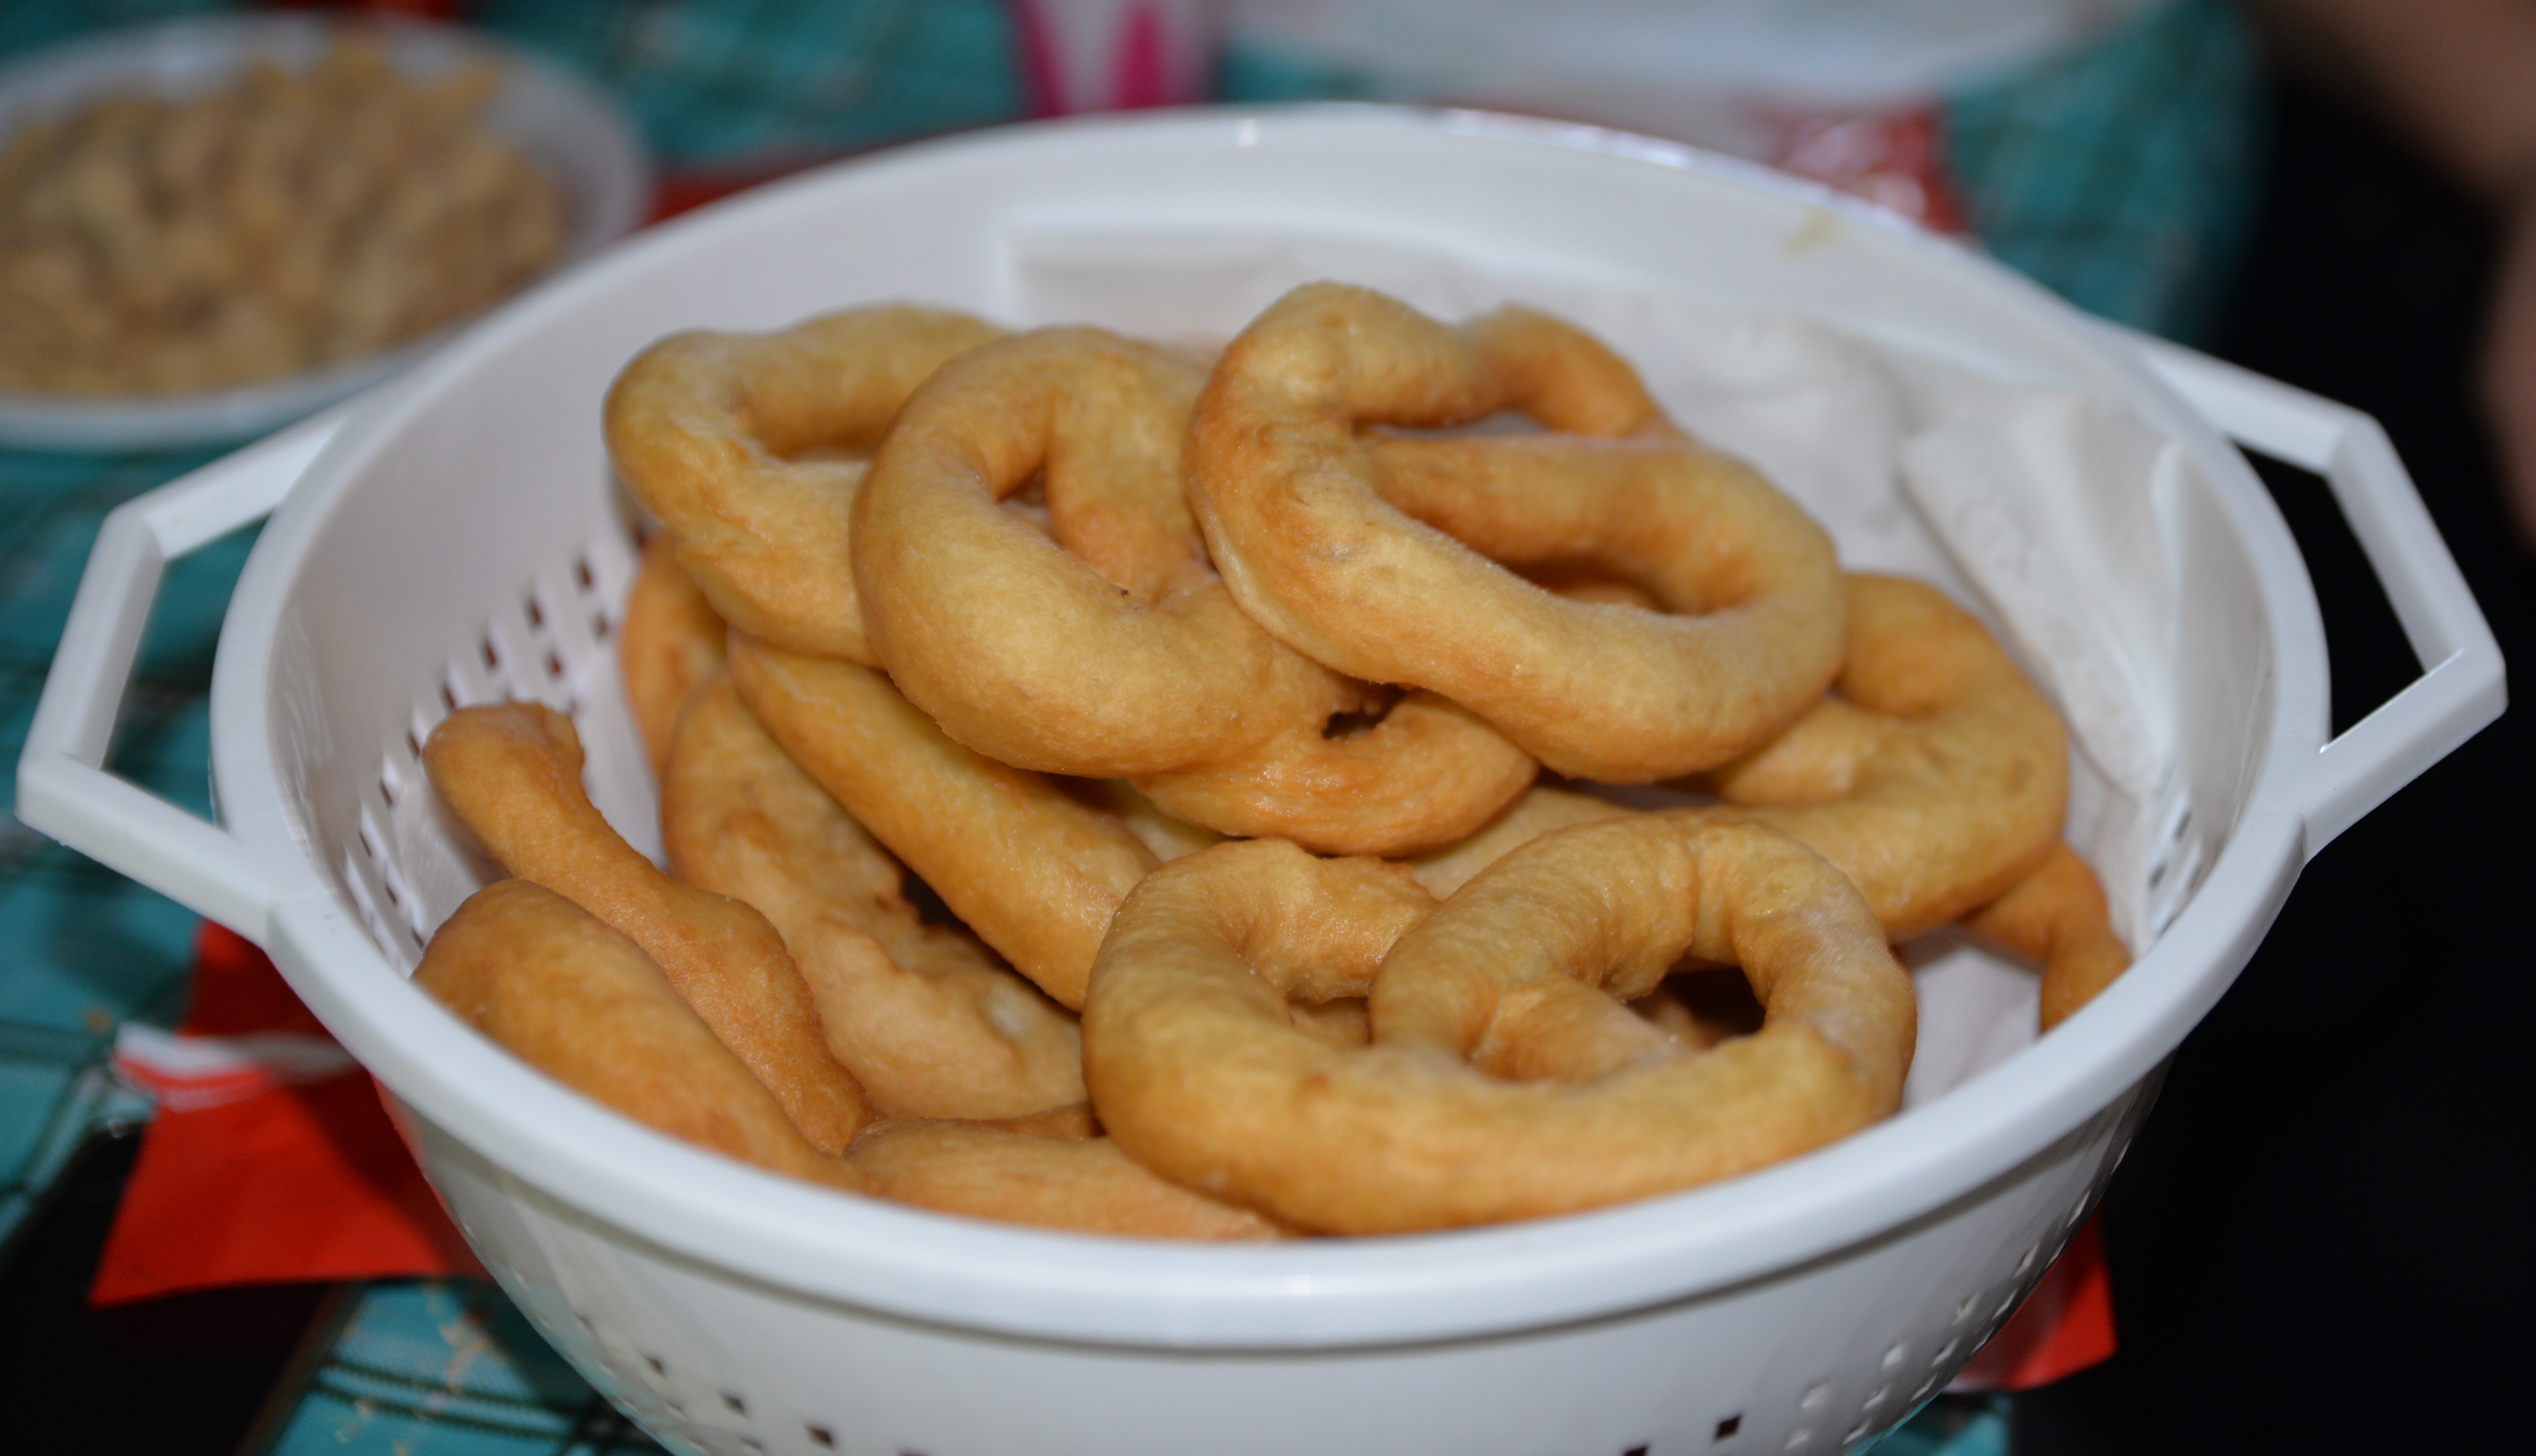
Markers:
799,1238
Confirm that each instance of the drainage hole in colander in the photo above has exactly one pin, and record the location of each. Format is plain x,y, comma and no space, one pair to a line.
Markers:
753,1443
599,625
658,1369
1814,1396
1730,1425
581,573
492,653
449,695
536,612
1635,1451
1800,1436
2027,1262
1893,1356
1945,1352
1857,1432
555,665
1964,1307
737,1406
821,1435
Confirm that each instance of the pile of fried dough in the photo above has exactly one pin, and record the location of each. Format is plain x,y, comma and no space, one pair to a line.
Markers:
1250,722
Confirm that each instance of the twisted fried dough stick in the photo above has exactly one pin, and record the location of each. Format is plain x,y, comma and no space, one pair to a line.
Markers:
1114,650
705,427
1288,493
924,1017
669,644
1197,1070
1034,870
582,1003
512,772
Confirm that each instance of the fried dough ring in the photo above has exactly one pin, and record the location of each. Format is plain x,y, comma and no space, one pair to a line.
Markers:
1034,870
1114,650
669,644
1935,775
1198,1071
1288,493
700,426
925,1017
512,772
580,1001
2056,917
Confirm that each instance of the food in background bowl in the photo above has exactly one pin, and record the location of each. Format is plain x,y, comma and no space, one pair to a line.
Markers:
298,218
239,219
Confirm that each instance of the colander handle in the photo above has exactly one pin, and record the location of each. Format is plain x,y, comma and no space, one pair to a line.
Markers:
64,789
2463,687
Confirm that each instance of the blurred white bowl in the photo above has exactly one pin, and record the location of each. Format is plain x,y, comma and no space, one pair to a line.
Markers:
578,136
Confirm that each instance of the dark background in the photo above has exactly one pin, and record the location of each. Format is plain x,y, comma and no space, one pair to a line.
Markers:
2313,1246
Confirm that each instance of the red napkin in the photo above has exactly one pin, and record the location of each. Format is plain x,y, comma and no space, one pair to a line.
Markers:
2065,1326
272,1161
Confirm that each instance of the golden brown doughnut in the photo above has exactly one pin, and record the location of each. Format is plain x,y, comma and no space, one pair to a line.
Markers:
729,439
511,773
1114,650
925,1017
1291,495
1197,1069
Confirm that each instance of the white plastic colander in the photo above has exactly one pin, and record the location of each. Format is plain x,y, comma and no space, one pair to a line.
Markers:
457,538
